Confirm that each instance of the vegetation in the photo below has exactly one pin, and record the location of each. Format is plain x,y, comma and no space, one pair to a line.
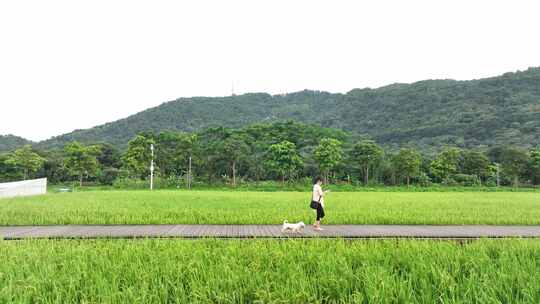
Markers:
12,142
534,167
269,271
81,160
367,154
328,155
138,156
429,114
26,160
478,134
283,159
286,151
231,207
406,163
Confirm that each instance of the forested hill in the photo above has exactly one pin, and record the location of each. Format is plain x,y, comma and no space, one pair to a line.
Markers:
431,113
11,142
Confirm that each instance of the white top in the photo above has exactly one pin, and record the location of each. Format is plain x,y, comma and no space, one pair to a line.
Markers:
318,193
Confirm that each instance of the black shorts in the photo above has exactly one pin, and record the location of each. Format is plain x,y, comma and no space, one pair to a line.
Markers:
320,212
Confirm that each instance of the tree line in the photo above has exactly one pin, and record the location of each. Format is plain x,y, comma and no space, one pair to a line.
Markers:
284,151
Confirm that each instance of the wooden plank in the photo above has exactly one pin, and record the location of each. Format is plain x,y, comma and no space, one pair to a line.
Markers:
272,231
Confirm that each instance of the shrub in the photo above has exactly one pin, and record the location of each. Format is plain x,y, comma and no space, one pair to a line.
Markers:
448,181
131,183
491,182
467,180
108,176
424,180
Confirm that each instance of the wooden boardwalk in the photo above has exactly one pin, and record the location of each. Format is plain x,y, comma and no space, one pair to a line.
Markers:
267,231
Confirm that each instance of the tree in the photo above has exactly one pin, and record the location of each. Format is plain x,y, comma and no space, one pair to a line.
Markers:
54,168
366,153
224,150
138,155
475,163
110,161
175,149
8,172
108,156
446,163
407,163
210,143
535,165
513,162
256,159
233,149
81,160
328,155
26,160
283,159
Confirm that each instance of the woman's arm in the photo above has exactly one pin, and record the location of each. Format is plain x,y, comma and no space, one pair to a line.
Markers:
320,192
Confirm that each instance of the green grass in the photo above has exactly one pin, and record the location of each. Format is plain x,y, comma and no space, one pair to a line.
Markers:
269,271
273,186
227,207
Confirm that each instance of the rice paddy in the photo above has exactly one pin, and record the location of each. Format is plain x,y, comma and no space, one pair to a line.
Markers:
267,271
270,271
227,207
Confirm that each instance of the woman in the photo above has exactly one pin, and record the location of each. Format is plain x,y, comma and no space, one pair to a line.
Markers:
318,196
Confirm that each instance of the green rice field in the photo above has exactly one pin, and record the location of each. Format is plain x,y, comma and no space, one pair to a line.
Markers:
269,271
229,207
266,270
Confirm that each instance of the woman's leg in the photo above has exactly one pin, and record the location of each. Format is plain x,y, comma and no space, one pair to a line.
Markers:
320,215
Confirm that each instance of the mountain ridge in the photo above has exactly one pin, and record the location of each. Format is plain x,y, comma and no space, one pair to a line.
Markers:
9,142
429,113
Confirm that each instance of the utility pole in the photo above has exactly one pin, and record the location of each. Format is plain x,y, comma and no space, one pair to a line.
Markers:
498,179
152,168
189,174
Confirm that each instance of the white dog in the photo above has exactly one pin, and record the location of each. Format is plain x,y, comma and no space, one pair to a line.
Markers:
296,228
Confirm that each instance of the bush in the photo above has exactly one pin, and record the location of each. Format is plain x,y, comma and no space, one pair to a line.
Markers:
108,176
424,180
131,183
171,182
448,181
491,182
467,180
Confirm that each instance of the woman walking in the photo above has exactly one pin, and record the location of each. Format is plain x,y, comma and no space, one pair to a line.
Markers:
318,198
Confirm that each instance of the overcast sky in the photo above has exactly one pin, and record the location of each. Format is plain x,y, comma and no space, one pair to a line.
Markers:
68,65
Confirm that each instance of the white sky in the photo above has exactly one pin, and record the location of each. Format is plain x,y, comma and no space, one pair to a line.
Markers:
68,65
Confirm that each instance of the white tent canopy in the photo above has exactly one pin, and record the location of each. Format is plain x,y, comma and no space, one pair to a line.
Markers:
23,188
